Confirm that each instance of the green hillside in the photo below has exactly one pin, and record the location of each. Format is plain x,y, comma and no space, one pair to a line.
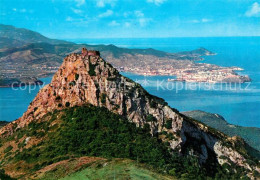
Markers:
96,132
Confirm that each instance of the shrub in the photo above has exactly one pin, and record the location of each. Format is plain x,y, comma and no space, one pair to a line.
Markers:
4,176
9,148
150,118
111,78
72,83
21,144
67,104
40,134
153,104
172,172
76,77
58,98
164,133
116,107
91,71
103,98
170,136
168,124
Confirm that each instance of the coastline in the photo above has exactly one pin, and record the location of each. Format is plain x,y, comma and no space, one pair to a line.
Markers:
217,76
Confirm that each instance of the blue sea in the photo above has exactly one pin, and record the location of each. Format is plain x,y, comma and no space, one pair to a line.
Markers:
239,105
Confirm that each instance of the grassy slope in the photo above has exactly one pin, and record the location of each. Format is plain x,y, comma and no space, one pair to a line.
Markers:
114,169
98,168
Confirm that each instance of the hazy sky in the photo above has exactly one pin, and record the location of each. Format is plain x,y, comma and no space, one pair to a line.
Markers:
134,18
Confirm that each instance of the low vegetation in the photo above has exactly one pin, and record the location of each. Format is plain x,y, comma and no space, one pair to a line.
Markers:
92,69
117,169
94,131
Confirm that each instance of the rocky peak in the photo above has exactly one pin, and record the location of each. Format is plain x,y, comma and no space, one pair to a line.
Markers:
87,78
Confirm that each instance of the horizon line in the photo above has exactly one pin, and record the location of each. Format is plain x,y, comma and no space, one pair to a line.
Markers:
154,37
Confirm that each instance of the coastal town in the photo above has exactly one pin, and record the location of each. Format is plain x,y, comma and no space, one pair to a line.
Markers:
184,70
197,73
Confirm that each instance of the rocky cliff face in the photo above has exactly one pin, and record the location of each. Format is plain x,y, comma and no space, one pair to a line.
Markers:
90,79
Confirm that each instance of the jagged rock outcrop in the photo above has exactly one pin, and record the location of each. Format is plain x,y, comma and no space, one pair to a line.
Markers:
89,79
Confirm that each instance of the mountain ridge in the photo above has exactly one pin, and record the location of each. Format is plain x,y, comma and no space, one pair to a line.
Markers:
90,79
21,36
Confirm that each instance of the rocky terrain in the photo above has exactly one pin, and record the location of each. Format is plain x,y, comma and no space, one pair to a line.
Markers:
250,134
91,80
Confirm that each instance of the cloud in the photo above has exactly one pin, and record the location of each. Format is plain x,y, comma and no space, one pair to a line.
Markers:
156,2
103,3
69,19
126,14
127,24
113,23
139,14
144,21
76,11
195,21
253,11
78,21
106,14
80,2
203,20
21,10
100,3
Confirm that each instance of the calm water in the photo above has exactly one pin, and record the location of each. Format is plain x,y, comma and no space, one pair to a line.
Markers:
239,106
14,102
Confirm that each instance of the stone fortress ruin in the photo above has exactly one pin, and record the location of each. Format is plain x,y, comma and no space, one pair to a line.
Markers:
86,52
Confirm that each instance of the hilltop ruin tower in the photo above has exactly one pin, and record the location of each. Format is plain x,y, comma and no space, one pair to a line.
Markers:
85,52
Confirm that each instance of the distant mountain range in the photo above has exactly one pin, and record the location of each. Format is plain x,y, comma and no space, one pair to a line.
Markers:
25,54
11,37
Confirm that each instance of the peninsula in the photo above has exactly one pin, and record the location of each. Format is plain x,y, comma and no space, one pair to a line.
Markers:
184,70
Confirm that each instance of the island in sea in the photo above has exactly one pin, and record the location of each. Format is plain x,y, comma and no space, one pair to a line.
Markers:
26,56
